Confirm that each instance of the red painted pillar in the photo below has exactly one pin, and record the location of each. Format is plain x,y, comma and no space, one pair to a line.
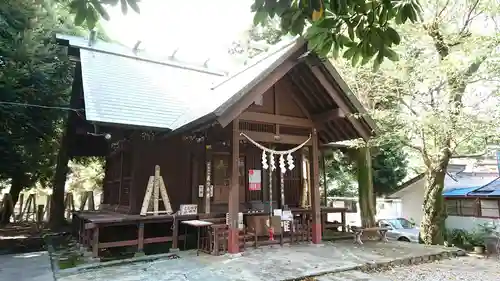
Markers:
233,204
315,194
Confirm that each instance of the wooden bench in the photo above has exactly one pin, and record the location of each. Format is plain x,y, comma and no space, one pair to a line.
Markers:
358,233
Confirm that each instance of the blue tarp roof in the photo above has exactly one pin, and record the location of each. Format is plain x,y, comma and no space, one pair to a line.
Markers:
490,189
459,191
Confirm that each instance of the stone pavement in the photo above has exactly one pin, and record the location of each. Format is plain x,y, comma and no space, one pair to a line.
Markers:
277,263
26,267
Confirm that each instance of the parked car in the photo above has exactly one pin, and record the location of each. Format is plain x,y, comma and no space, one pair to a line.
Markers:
400,229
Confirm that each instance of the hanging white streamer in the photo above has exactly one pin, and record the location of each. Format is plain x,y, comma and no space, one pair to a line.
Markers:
289,159
271,161
264,161
282,164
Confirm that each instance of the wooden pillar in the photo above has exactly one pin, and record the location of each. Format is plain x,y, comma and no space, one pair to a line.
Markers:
140,237
208,176
315,195
233,204
95,242
325,185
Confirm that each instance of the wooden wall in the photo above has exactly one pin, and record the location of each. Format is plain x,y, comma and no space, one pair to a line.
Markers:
183,162
173,157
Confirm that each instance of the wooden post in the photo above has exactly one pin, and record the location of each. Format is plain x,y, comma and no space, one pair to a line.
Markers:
90,198
83,200
69,204
7,204
95,242
175,235
208,177
47,207
39,216
156,190
140,238
315,196
233,243
325,186
21,202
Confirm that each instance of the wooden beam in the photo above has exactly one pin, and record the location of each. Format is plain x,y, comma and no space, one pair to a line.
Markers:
339,101
328,115
259,89
272,138
276,108
276,119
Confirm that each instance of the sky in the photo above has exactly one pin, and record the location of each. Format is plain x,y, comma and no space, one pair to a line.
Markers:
200,29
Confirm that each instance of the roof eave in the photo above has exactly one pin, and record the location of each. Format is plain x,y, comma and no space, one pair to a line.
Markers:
226,107
195,125
372,126
405,186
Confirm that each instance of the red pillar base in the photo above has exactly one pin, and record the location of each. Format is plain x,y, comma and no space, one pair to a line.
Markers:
316,233
233,246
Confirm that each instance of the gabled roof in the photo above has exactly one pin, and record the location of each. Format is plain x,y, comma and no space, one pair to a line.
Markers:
490,189
459,191
125,88
403,188
460,184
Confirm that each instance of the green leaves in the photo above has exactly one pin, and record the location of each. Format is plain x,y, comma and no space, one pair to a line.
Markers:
36,71
362,28
90,11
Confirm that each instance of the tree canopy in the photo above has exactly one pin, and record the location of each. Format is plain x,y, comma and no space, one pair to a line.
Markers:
35,82
441,98
389,169
364,29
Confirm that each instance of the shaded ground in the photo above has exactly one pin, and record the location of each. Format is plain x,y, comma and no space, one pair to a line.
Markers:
26,267
21,237
463,268
262,264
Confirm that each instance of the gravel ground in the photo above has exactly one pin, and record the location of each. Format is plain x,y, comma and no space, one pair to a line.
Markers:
463,268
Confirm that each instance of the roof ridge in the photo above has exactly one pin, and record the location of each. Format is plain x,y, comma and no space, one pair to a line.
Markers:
151,58
256,60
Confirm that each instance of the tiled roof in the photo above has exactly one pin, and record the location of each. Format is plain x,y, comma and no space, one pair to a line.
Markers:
129,91
223,94
122,87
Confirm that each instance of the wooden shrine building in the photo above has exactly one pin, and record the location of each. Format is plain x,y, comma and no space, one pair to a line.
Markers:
201,127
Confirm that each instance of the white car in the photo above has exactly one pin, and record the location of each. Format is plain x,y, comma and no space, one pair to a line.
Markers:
400,229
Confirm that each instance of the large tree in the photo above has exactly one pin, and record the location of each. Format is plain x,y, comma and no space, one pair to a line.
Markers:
35,88
443,93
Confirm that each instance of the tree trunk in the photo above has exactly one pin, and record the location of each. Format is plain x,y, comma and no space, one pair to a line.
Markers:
365,187
432,225
16,187
57,219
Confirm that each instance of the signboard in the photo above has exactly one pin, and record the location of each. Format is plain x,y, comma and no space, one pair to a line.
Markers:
188,209
287,215
277,212
254,180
